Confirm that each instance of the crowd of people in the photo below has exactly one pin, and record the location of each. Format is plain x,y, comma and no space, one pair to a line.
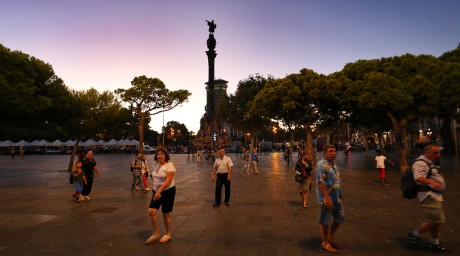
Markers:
325,174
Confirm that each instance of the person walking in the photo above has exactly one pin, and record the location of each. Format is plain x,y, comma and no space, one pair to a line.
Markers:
254,161
221,174
246,162
136,168
287,154
13,152
329,196
89,167
79,179
380,164
145,172
305,169
164,193
21,152
199,156
428,174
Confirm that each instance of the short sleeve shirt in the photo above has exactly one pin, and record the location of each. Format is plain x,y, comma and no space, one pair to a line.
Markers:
380,161
136,162
88,166
222,165
254,156
420,169
329,174
159,174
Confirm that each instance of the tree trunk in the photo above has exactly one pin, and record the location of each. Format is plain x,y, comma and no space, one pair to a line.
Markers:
310,151
379,138
400,127
291,141
141,131
72,156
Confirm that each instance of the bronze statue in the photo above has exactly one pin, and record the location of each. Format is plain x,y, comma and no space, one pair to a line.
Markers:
212,26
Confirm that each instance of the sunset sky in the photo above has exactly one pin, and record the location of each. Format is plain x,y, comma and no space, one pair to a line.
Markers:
104,44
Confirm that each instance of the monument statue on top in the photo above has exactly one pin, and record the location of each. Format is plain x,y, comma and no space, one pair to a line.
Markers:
212,26
212,132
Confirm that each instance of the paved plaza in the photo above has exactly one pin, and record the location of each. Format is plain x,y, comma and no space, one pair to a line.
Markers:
265,216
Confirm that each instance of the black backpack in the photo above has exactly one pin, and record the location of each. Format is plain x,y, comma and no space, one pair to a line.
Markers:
409,186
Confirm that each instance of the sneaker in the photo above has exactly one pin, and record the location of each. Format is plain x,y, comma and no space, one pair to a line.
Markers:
383,184
413,239
82,198
438,247
147,189
87,198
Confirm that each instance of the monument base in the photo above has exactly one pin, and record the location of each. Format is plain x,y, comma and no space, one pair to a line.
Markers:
211,135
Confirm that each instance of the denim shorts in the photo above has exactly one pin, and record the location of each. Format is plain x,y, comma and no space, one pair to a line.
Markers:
433,210
337,213
78,186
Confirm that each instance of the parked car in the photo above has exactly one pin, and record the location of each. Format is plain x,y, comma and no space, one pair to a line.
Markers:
149,150
357,147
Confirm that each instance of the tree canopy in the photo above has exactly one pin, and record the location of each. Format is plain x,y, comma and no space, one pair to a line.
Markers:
402,87
299,100
236,111
149,96
32,95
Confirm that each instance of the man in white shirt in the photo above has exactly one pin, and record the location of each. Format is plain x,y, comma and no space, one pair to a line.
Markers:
427,173
221,174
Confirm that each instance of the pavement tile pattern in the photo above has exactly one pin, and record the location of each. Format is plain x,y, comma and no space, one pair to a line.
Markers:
265,216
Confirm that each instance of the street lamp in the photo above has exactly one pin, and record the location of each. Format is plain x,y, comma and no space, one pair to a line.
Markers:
274,133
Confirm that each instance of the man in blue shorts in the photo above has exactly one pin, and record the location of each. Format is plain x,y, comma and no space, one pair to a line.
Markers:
328,194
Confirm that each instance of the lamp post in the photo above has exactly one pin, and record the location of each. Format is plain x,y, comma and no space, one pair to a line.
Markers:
163,128
274,133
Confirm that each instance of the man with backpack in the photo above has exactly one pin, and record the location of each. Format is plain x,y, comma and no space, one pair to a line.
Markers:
428,175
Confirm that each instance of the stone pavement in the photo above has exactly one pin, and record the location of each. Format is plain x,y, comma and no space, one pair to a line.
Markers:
38,217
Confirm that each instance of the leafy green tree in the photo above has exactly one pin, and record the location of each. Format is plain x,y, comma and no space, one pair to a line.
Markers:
401,87
299,100
31,95
177,133
449,103
149,96
98,115
236,112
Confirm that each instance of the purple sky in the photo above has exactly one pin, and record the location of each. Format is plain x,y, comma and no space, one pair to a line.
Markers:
104,44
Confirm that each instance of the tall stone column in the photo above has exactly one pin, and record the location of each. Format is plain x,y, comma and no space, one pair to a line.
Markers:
211,53
209,123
